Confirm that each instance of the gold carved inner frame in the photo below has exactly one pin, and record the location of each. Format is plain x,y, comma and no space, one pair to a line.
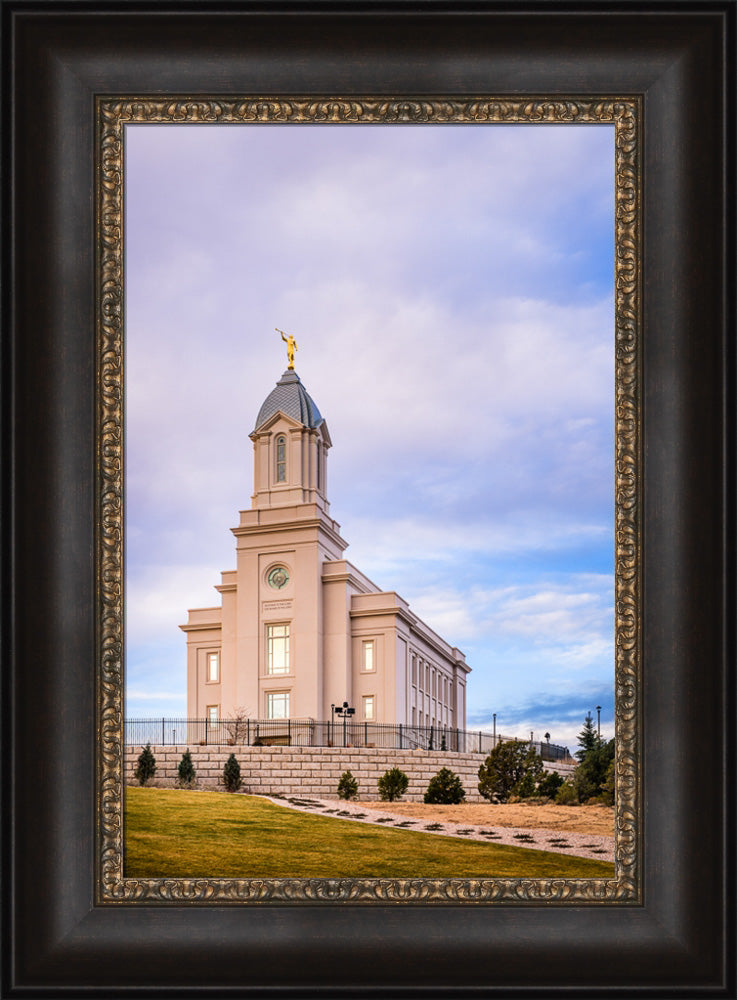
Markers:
112,114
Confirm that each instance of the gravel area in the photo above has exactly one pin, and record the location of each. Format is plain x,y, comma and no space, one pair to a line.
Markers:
583,845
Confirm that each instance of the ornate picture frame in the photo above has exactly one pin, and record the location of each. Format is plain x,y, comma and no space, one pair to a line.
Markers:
673,932
113,114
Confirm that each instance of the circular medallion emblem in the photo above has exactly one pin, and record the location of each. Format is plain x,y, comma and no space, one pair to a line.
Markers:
278,578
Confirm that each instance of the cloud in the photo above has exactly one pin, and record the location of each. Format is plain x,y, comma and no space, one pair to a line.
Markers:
456,334
566,627
141,694
158,598
561,713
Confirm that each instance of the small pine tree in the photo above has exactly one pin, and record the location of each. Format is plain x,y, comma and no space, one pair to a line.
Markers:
232,774
587,738
186,770
146,767
392,784
590,776
347,786
445,788
442,743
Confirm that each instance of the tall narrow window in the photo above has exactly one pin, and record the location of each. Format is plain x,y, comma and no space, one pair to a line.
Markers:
367,656
277,705
319,468
212,666
212,713
277,642
368,707
281,459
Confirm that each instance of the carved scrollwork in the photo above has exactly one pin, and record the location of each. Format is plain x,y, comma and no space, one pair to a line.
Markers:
112,116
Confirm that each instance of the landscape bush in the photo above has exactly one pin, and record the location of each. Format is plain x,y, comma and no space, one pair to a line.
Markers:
608,787
186,771
512,768
566,795
392,784
232,774
445,788
549,784
146,765
347,786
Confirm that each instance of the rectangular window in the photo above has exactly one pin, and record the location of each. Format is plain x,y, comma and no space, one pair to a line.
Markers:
212,666
281,459
277,705
368,707
212,713
367,656
277,641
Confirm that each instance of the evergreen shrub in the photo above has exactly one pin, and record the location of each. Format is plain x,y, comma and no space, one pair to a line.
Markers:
549,784
392,784
512,768
232,774
445,788
146,766
593,779
566,795
186,770
347,786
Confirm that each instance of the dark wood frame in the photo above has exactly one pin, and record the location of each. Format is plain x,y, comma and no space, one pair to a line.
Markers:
680,58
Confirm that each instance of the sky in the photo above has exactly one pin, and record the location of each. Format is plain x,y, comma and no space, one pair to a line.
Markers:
451,291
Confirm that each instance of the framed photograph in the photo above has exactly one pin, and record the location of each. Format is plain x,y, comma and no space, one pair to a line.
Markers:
659,82
476,469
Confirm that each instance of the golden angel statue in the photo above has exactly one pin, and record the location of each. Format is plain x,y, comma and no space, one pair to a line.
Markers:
291,346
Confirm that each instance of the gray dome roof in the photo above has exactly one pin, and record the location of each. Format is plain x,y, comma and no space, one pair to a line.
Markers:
291,397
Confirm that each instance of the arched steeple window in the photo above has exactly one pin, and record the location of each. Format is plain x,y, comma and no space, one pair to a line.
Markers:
281,459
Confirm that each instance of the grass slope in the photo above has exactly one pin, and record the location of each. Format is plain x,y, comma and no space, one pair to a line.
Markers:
172,833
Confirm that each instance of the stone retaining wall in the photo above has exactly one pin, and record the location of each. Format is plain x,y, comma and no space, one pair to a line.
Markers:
312,771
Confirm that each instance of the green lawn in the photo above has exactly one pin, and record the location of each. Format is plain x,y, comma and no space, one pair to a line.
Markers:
172,833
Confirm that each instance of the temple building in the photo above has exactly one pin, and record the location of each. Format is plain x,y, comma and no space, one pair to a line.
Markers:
299,628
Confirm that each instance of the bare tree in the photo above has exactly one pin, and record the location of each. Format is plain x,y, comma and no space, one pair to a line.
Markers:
236,725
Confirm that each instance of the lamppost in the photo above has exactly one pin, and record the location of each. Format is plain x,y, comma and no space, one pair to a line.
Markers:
598,720
344,712
494,729
547,737
332,725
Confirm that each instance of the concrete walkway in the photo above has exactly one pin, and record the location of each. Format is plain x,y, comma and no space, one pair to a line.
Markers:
582,845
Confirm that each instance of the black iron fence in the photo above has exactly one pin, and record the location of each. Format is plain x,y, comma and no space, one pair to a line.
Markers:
311,733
